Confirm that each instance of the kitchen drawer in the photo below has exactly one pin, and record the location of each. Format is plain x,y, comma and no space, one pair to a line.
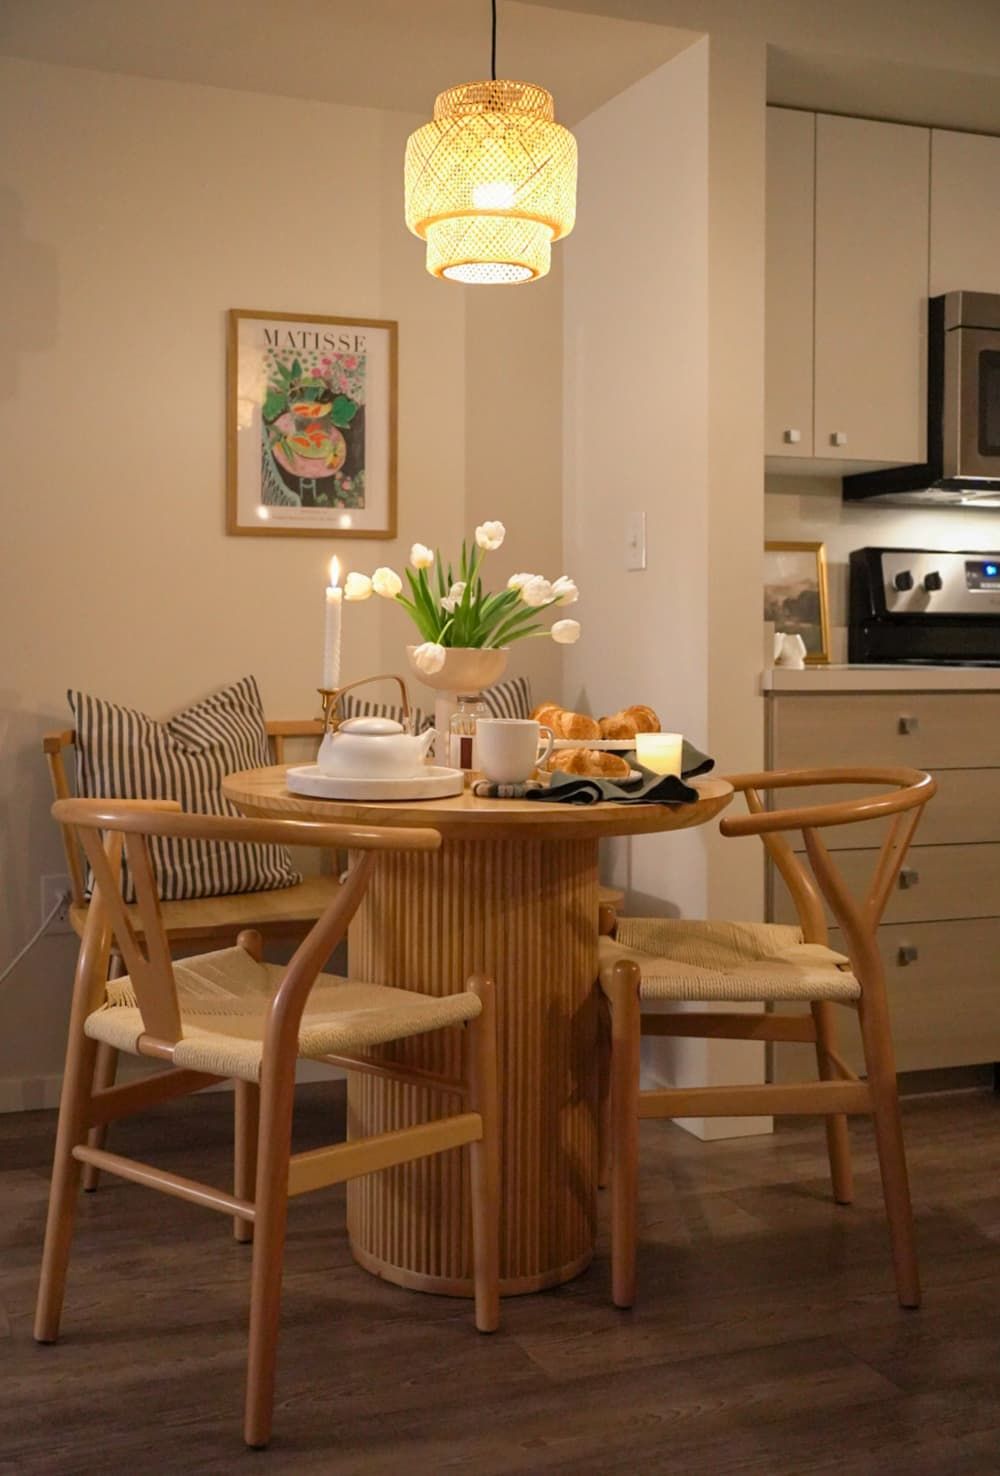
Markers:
966,809
945,1005
942,883
945,731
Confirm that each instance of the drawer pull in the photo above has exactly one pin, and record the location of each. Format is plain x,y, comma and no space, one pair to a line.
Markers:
907,954
908,877
908,724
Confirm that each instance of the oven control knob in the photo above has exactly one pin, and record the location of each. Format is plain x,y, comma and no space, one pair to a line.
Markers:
903,580
932,581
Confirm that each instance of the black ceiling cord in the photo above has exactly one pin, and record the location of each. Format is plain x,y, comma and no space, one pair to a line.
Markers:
493,46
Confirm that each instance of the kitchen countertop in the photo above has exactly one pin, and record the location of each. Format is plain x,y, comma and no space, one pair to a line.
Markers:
881,679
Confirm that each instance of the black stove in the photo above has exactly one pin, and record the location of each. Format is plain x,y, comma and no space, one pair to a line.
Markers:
924,607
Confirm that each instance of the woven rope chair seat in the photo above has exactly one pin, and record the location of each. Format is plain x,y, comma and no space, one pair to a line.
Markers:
224,998
722,962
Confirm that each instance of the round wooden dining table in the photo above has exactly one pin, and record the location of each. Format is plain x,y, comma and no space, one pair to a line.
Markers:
513,893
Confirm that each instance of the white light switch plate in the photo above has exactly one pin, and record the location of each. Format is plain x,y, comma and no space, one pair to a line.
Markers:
635,540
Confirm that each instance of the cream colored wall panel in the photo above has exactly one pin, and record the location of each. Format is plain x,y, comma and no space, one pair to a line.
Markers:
965,212
872,228
939,883
931,730
788,372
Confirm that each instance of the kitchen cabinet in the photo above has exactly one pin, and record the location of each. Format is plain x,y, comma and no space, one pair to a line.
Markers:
788,375
965,212
847,244
940,935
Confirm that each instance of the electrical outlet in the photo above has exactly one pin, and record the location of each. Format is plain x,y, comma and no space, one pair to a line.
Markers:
54,887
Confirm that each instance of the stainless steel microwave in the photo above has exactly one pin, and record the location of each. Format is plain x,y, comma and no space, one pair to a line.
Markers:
963,412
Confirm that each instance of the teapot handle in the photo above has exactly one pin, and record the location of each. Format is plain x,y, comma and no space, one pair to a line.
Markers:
330,697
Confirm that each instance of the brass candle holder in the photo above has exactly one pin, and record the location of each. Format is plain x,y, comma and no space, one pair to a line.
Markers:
330,698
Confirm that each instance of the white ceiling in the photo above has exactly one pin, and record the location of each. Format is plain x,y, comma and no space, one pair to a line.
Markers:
372,53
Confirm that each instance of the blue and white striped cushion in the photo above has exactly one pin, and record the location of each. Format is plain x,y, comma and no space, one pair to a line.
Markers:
124,754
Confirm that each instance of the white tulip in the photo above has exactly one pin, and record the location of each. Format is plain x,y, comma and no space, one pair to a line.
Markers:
564,591
566,632
536,591
490,535
421,557
451,600
386,582
517,581
357,587
429,658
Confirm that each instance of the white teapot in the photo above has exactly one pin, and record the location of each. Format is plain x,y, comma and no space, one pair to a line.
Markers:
373,748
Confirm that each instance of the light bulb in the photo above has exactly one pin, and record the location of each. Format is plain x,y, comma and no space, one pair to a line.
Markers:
495,195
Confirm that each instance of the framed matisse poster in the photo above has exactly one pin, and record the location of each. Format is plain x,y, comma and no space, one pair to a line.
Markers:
311,426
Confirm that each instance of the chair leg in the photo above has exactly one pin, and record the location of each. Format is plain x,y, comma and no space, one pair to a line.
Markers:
838,1143
271,1199
104,1076
625,1036
246,1117
64,1192
880,1066
484,1158
603,1094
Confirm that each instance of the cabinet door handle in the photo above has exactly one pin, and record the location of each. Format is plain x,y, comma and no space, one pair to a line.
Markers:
839,438
907,954
908,877
908,724
792,437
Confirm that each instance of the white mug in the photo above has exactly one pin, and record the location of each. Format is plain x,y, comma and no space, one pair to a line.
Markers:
508,748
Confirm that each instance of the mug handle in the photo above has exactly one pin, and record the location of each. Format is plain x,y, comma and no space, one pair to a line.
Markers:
544,758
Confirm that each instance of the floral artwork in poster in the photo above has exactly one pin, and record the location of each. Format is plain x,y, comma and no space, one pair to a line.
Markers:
795,596
311,433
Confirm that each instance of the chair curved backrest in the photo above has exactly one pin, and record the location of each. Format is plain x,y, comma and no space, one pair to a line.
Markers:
903,793
127,825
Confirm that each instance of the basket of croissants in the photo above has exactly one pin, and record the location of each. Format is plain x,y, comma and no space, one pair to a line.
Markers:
602,763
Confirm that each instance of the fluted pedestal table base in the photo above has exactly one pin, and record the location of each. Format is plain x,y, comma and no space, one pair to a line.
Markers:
524,912
511,893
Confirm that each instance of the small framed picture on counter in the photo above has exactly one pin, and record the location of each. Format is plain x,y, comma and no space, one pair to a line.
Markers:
795,595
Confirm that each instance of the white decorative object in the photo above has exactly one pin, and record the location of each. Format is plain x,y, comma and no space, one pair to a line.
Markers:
508,748
430,783
789,650
373,748
660,752
331,632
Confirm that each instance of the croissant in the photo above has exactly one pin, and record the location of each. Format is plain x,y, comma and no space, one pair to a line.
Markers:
629,721
566,724
592,762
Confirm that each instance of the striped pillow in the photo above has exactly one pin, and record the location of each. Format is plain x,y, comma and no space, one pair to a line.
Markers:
124,754
510,699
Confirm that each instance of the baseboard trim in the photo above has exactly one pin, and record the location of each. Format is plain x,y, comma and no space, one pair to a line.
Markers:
41,1093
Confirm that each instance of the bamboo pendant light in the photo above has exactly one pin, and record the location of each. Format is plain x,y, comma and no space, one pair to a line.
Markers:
490,182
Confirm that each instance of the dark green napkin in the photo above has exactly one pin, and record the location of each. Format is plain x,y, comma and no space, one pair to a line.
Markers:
648,789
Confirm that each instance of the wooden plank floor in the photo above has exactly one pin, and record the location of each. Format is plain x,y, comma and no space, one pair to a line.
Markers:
767,1341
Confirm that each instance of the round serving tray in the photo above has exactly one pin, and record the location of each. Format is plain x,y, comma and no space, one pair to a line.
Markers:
431,783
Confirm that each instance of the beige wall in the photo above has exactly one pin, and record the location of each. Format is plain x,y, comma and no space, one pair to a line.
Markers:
134,214
636,342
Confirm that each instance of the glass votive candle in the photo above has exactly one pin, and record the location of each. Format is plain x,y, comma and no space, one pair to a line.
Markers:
660,752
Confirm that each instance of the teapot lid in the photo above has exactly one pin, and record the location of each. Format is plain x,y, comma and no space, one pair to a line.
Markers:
371,727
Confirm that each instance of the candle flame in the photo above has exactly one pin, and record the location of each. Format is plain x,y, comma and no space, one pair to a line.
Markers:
334,572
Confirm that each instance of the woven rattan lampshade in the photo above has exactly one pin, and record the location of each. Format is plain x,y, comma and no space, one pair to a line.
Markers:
490,182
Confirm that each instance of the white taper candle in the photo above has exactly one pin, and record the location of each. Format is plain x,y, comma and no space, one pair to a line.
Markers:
331,634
